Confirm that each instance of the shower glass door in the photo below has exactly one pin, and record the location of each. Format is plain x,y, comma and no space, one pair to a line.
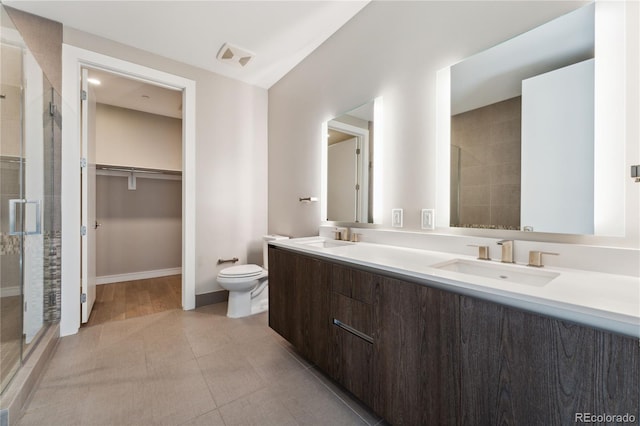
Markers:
24,135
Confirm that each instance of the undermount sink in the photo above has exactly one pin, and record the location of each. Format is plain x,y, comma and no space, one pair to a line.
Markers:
321,243
498,271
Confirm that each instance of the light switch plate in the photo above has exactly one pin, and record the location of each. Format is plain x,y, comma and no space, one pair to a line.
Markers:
396,218
428,219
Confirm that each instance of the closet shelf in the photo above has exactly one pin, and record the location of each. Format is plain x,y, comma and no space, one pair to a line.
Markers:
140,170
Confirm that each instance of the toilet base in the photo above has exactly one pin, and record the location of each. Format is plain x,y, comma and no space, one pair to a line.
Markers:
260,303
240,304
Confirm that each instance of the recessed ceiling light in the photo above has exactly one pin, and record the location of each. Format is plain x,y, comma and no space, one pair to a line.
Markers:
234,55
94,81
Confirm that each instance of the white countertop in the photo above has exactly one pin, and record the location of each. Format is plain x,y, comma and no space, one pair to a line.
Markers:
606,301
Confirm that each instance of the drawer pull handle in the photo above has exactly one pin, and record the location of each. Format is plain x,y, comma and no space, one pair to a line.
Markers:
353,331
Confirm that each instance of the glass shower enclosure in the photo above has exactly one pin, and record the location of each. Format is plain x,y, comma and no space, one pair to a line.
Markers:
29,229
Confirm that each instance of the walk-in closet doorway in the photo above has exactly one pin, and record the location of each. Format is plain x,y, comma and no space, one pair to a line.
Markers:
81,287
132,197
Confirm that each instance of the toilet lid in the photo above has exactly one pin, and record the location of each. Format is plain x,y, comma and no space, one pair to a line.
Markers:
241,271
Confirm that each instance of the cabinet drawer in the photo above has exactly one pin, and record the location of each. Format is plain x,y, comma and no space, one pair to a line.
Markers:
353,314
352,365
358,285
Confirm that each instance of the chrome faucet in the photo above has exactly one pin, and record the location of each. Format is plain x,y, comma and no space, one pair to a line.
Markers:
507,250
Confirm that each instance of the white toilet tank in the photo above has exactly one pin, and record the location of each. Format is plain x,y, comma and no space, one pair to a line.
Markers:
265,247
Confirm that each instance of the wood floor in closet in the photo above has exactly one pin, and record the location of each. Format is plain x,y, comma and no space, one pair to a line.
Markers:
131,299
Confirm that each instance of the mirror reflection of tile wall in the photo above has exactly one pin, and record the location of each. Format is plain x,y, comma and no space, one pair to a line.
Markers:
486,150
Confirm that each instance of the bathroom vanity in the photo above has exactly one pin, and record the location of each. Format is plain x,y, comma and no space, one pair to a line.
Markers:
421,347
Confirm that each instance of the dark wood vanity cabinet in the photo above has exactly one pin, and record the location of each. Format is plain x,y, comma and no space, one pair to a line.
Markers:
299,300
518,365
326,312
418,355
352,330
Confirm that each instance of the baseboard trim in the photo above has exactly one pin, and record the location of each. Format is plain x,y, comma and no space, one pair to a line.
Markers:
118,278
211,298
10,291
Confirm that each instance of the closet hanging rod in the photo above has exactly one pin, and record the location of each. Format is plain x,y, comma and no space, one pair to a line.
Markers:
137,170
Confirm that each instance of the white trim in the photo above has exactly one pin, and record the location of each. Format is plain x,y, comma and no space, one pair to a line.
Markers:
73,59
143,275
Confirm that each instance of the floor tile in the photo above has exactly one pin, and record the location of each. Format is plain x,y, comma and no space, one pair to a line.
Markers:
351,401
68,414
167,350
177,394
115,402
212,418
269,359
186,368
261,408
229,375
205,341
311,403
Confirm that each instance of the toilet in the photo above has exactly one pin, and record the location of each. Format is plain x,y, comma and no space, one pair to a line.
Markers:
248,284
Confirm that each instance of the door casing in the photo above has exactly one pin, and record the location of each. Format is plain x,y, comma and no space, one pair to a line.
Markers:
73,59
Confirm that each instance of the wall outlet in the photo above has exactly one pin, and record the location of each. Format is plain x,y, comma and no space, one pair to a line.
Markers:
396,218
428,219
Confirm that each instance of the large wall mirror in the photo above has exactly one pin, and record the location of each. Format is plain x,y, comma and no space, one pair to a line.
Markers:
525,133
350,143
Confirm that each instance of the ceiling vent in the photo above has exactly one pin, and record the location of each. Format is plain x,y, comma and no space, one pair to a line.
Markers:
234,55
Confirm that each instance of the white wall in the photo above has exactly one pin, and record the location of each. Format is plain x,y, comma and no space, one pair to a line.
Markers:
231,164
394,50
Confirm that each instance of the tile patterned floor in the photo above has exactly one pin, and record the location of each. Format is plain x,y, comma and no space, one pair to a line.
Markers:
186,368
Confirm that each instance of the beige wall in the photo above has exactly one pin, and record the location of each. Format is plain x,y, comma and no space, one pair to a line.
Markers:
231,164
133,138
394,50
11,110
140,230
44,39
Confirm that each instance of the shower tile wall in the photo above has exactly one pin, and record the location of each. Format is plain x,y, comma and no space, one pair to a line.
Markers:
52,280
489,174
51,224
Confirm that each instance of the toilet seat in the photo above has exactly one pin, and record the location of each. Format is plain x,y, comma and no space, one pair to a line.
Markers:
241,271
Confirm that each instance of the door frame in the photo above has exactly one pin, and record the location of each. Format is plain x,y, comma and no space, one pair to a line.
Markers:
73,60
362,161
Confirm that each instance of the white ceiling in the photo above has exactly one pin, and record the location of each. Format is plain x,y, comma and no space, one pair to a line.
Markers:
279,33
134,94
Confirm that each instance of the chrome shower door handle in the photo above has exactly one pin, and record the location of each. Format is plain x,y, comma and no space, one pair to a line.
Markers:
12,217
